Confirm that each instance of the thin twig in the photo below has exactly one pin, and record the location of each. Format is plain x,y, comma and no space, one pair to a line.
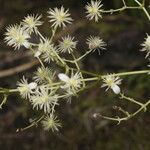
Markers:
119,120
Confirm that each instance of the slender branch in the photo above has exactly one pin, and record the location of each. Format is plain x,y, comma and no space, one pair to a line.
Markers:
78,68
146,12
119,74
53,34
124,3
120,9
122,110
130,99
125,7
143,8
35,123
131,73
78,59
124,118
138,2
85,72
143,3
4,100
98,77
42,37
3,90
42,64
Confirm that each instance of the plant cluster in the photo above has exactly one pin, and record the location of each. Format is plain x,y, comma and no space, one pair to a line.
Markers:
49,86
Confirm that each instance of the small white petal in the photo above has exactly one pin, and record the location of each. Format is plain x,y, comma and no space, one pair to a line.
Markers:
26,44
37,54
116,89
32,85
63,77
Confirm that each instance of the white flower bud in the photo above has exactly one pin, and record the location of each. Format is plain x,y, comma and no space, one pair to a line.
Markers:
63,77
116,89
33,85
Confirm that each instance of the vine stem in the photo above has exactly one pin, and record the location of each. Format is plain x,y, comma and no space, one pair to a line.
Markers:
97,77
120,9
130,99
128,117
147,14
78,59
4,101
8,90
118,74
77,66
42,37
143,8
31,125
124,3
130,73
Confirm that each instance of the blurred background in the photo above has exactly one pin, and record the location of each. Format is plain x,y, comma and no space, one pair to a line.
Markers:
123,33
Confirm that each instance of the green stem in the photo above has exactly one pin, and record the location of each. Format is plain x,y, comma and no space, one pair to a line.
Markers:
130,73
78,59
53,34
128,117
41,62
31,125
4,100
8,90
78,68
85,72
86,79
147,14
120,9
118,74
130,99
143,3
124,3
143,8
41,36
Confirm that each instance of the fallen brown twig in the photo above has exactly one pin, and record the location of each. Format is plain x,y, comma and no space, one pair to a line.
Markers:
18,69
